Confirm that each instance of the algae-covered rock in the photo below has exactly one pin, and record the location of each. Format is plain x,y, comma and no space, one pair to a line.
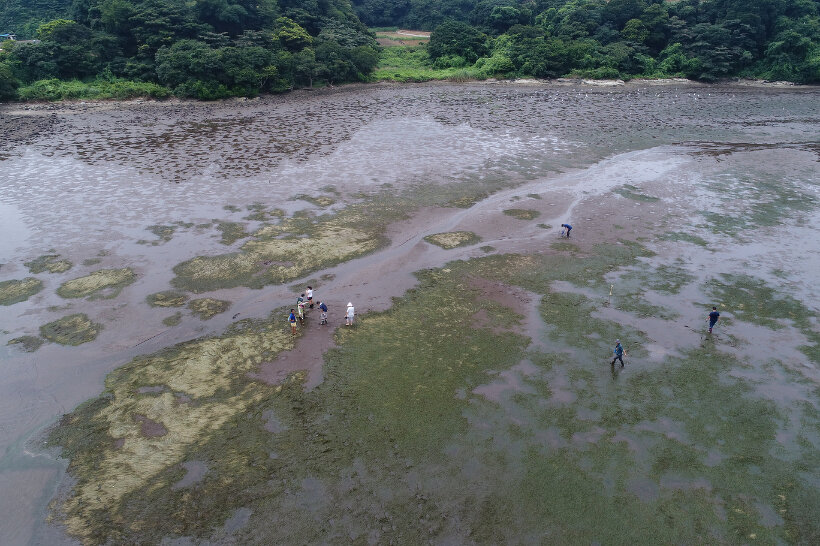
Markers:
28,344
173,320
163,233
453,239
287,251
48,262
128,441
168,298
522,214
15,291
318,200
105,283
631,192
208,307
73,329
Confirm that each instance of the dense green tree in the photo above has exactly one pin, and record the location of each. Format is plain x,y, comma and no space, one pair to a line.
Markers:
22,17
8,82
458,39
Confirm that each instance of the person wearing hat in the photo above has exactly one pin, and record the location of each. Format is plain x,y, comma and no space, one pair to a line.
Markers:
350,314
323,309
618,352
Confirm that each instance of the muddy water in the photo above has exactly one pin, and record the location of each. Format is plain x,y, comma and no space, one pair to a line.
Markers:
85,181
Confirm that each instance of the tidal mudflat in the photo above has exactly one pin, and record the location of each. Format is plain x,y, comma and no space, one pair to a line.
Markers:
153,390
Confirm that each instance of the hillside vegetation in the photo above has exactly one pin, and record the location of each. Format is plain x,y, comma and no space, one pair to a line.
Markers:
210,49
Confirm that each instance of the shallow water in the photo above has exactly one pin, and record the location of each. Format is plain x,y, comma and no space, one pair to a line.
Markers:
89,183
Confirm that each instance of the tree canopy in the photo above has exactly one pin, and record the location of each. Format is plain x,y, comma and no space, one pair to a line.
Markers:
203,48
218,48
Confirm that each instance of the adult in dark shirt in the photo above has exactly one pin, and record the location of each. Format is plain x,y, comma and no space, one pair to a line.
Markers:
568,228
618,352
713,318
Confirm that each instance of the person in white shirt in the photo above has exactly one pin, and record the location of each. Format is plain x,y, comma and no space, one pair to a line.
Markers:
350,314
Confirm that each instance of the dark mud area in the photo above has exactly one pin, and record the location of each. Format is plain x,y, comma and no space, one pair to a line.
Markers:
473,400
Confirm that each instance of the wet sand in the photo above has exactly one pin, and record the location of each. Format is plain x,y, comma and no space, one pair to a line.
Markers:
85,181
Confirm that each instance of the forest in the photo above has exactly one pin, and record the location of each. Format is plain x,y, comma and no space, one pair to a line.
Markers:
211,49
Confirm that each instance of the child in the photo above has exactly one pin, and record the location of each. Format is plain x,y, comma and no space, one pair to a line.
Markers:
350,314
713,318
309,293
292,320
323,308
300,305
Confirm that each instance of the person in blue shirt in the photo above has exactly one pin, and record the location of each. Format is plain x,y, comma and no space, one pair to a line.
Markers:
568,228
713,318
292,320
323,308
618,352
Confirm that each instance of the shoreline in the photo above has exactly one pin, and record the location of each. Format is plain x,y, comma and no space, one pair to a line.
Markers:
534,82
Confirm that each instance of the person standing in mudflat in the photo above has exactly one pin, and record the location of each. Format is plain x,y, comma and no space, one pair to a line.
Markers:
292,320
618,352
300,306
323,309
309,293
713,318
350,314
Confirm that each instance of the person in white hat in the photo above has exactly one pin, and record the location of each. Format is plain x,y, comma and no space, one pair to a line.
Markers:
350,314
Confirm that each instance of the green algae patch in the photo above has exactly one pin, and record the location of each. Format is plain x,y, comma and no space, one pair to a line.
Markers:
231,232
668,279
686,237
453,239
73,329
206,308
425,418
169,298
91,261
752,300
322,201
522,214
28,344
163,234
564,246
50,263
15,291
766,202
173,320
101,284
125,447
291,249
631,192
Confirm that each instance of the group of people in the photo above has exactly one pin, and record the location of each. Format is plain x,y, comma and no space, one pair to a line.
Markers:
305,302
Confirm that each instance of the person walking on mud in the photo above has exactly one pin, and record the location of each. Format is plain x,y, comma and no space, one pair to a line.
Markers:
323,309
713,318
292,320
309,293
618,352
350,314
567,229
